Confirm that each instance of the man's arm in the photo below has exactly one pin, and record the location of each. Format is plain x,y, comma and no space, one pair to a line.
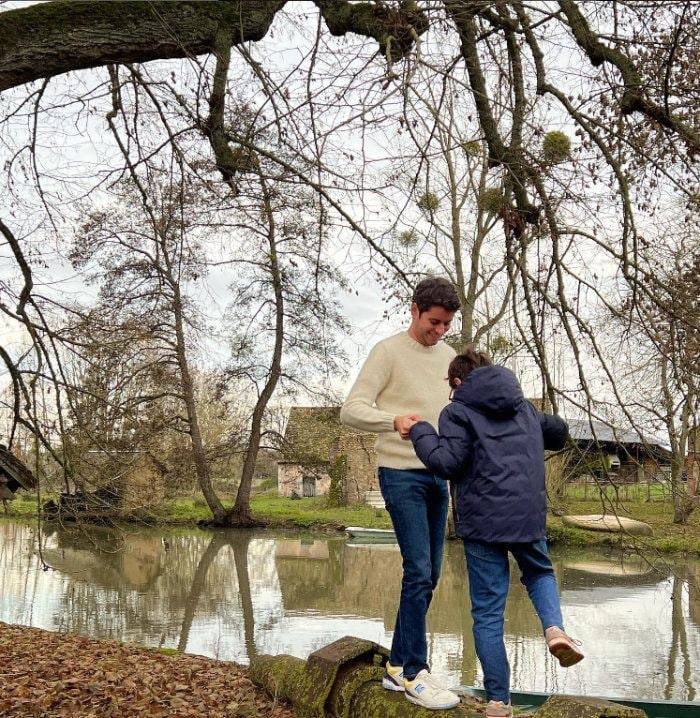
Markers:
359,411
447,453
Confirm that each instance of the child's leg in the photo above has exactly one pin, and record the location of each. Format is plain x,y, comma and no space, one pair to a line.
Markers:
487,566
539,580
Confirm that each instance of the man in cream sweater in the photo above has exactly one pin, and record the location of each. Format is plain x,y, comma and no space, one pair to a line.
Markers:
403,378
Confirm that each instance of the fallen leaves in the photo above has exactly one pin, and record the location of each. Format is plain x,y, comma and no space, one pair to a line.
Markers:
52,675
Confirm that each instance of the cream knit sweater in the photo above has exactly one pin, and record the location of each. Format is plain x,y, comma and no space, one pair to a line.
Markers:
400,376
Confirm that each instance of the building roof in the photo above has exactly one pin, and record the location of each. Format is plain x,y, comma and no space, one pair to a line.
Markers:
11,467
310,432
593,430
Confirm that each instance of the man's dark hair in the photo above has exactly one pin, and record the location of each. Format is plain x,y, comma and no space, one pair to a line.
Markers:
435,291
465,363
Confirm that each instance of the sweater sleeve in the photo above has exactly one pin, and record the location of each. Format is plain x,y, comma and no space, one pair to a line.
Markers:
359,410
447,453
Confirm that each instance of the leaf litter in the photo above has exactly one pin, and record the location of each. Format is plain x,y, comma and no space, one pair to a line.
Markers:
56,675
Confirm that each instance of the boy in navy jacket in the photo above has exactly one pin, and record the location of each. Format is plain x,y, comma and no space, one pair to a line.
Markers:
491,446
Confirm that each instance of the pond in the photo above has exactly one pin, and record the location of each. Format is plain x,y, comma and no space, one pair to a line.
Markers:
232,595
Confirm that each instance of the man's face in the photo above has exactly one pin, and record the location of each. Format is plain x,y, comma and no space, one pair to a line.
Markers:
427,328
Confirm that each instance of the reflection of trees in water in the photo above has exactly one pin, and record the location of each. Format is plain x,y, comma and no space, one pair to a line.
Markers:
135,583
189,583
679,642
238,542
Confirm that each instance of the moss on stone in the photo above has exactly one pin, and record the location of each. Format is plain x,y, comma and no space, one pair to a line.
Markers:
581,707
338,474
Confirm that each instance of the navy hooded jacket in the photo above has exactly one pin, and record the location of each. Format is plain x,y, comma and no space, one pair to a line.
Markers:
491,445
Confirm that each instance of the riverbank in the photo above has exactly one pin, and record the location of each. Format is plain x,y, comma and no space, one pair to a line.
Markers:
62,674
315,515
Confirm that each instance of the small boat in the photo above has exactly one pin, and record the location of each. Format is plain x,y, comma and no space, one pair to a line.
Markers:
608,522
371,534
528,701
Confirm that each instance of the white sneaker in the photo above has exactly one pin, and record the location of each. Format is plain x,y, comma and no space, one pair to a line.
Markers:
393,678
426,691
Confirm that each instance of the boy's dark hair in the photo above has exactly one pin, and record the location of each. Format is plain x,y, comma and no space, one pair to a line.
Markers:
465,363
435,291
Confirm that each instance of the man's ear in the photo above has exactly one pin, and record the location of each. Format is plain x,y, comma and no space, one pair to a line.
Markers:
456,381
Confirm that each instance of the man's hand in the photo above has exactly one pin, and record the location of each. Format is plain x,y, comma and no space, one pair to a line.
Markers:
403,424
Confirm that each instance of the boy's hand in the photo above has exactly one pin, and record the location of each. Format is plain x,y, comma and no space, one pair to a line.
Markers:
403,424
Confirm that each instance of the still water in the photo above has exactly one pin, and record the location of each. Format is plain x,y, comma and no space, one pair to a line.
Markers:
235,594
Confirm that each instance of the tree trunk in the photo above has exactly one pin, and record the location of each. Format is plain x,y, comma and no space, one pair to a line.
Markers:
198,455
240,514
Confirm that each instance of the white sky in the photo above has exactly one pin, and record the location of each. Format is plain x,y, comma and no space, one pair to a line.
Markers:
71,149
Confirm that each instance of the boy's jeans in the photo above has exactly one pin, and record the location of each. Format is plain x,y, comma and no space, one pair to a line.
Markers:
417,503
489,577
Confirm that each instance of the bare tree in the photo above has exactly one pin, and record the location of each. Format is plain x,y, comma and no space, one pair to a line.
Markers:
662,344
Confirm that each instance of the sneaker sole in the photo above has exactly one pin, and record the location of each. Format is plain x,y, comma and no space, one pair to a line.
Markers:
566,656
443,707
389,685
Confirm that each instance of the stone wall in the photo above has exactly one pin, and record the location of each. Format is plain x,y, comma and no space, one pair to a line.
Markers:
290,479
142,485
361,465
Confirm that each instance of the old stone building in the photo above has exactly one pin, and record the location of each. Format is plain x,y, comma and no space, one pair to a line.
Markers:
320,453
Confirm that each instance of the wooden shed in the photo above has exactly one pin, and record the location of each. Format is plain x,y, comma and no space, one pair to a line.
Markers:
615,453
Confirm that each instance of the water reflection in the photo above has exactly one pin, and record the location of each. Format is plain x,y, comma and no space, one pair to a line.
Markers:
232,594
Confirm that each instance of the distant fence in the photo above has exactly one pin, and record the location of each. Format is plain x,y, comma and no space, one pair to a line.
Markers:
646,492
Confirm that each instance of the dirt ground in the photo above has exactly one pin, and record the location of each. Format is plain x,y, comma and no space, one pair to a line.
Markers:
58,674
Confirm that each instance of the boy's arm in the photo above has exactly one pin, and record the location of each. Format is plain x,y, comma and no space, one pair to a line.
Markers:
446,453
555,431
359,411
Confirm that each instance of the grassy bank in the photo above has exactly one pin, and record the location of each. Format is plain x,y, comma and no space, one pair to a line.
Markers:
314,514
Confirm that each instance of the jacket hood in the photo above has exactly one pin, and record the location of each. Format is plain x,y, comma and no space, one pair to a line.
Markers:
492,390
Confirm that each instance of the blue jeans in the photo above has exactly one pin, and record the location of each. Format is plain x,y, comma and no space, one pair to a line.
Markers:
417,503
489,578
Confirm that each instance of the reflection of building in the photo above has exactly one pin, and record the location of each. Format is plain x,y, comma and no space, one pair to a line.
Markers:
299,548
625,455
108,559
316,446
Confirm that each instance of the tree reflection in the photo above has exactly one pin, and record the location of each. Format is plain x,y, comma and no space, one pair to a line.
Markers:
238,541
679,643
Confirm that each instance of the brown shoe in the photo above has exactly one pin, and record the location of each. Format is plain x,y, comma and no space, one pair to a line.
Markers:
498,709
563,647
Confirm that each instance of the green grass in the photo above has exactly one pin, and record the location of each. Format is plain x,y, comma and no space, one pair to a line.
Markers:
314,514
667,537
276,512
25,505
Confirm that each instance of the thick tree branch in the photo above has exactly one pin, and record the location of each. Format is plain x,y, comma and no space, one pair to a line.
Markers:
48,39
634,98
